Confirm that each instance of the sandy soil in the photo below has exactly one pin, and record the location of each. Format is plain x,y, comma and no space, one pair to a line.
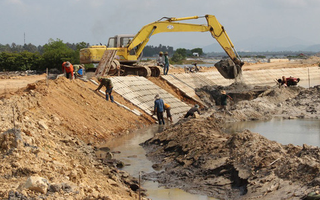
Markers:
50,131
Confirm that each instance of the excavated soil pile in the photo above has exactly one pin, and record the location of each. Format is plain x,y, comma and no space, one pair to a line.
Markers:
48,139
263,103
239,91
198,158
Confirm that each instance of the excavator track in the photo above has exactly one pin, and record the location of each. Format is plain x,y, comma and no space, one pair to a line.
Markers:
138,70
155,71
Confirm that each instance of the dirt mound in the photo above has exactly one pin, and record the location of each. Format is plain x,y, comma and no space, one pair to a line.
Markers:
263,103
49,132
200,159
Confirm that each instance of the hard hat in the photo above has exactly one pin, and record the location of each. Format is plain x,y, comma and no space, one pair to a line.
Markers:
160,52
223,92
166,53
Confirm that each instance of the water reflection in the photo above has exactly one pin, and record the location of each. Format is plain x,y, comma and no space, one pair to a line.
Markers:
133,155
294,131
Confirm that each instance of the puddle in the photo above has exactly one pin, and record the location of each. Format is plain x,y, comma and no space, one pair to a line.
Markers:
307,83
133,156
284,131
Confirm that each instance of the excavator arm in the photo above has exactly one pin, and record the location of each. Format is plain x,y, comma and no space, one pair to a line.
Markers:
129,52
172,25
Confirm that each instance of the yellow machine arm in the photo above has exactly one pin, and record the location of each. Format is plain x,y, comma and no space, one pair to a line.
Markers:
171,25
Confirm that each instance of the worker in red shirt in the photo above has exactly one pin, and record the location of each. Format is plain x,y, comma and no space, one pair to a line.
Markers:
67,67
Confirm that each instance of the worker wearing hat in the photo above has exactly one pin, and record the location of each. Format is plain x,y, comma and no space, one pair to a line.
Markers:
67,68
159,108
224,97
166,64
160,61
109,86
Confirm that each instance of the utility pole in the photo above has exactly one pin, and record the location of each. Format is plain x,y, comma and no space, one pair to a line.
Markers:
24,38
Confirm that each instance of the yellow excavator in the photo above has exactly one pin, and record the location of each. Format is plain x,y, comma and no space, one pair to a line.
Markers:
129,48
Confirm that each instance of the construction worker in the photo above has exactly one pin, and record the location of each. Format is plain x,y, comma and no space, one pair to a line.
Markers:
167,108
160,61
224,97
192,111
159,108
67,68
80,71
166,64
109,86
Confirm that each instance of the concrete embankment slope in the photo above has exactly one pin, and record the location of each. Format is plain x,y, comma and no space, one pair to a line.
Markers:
141,92
187,83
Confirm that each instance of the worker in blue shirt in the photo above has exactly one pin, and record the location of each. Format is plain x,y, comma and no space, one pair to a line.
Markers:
159,108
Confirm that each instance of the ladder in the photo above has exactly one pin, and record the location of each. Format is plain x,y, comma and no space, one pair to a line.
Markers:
105,63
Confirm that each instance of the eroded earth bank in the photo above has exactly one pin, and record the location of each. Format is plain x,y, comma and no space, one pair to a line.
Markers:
49,136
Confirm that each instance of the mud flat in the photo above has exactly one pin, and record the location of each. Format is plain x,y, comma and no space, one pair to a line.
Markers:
198,157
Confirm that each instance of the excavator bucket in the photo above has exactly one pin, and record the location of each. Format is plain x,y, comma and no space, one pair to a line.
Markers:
228,69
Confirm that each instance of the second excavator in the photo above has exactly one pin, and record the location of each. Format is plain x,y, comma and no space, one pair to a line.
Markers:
127,49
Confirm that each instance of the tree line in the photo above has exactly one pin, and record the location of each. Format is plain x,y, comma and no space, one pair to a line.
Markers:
30,57
51,55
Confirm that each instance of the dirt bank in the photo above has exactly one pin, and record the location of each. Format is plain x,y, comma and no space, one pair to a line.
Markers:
50,131
197,157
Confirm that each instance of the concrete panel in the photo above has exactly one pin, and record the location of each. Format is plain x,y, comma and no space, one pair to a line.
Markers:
141,92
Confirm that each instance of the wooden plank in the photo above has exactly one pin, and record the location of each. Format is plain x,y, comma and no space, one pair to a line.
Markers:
105,63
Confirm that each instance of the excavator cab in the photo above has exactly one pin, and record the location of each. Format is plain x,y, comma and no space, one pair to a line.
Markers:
119,41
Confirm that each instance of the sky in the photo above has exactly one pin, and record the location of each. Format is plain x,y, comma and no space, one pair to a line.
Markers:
94,21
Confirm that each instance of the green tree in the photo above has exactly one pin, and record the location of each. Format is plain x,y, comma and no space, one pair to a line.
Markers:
197,50
179,55
55,53
30,47
182,52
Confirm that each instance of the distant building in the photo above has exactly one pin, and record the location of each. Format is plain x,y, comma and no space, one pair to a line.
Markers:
195,54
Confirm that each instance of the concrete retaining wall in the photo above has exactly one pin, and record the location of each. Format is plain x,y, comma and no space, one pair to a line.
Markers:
141,92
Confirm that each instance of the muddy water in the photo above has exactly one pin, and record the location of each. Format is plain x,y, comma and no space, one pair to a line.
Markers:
284,131
136,163
309,83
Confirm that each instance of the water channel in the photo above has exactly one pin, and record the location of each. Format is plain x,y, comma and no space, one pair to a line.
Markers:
133,155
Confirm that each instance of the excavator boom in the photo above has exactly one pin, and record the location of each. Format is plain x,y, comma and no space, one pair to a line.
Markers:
132,51
171,25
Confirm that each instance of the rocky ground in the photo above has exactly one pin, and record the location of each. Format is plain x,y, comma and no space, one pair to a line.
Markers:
50,131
